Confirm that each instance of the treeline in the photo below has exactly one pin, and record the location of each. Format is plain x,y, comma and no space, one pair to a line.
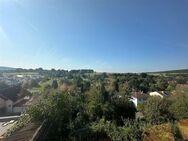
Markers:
145,80
173,71
54,72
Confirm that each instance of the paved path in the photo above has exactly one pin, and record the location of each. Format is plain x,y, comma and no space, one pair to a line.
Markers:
3,129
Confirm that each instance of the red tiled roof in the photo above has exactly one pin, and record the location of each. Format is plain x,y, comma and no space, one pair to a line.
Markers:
139,95
20,103
23,102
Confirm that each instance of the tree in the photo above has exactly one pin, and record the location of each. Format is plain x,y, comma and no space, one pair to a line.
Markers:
97,101
103,93
54,84
178,107
162,84
170,87
134,83
3,85
143,75
144,86
56,109
123,109
115,86
156,109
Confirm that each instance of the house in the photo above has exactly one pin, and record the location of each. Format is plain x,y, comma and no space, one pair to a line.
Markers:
20,105
5,104
20,76
138,98
161,94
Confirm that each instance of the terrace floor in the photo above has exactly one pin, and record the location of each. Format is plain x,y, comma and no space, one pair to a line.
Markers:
24,134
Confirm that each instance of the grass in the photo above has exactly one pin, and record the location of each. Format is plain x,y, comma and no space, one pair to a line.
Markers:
163,132
183,127
159,133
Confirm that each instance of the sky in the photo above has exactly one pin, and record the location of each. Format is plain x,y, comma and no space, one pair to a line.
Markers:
104,35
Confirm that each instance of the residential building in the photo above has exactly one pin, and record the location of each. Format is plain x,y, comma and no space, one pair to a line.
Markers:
5,104
138,98
21,105
161,94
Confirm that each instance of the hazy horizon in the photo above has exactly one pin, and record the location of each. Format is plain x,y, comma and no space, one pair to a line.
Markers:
107,36
95,70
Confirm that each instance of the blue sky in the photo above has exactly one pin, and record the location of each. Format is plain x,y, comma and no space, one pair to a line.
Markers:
105,35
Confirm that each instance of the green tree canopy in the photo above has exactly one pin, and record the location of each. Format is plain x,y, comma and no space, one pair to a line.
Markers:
156,109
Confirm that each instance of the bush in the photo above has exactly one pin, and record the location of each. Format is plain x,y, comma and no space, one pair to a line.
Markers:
131,130
178,107
156,109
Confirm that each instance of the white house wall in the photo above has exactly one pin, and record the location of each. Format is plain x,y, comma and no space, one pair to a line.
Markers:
155,94
9,106
135,101
18,109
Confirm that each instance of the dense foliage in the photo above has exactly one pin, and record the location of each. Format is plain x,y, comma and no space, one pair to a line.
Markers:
81,105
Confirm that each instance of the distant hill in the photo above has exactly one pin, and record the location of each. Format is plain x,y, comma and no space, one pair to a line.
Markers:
2,68
173,71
